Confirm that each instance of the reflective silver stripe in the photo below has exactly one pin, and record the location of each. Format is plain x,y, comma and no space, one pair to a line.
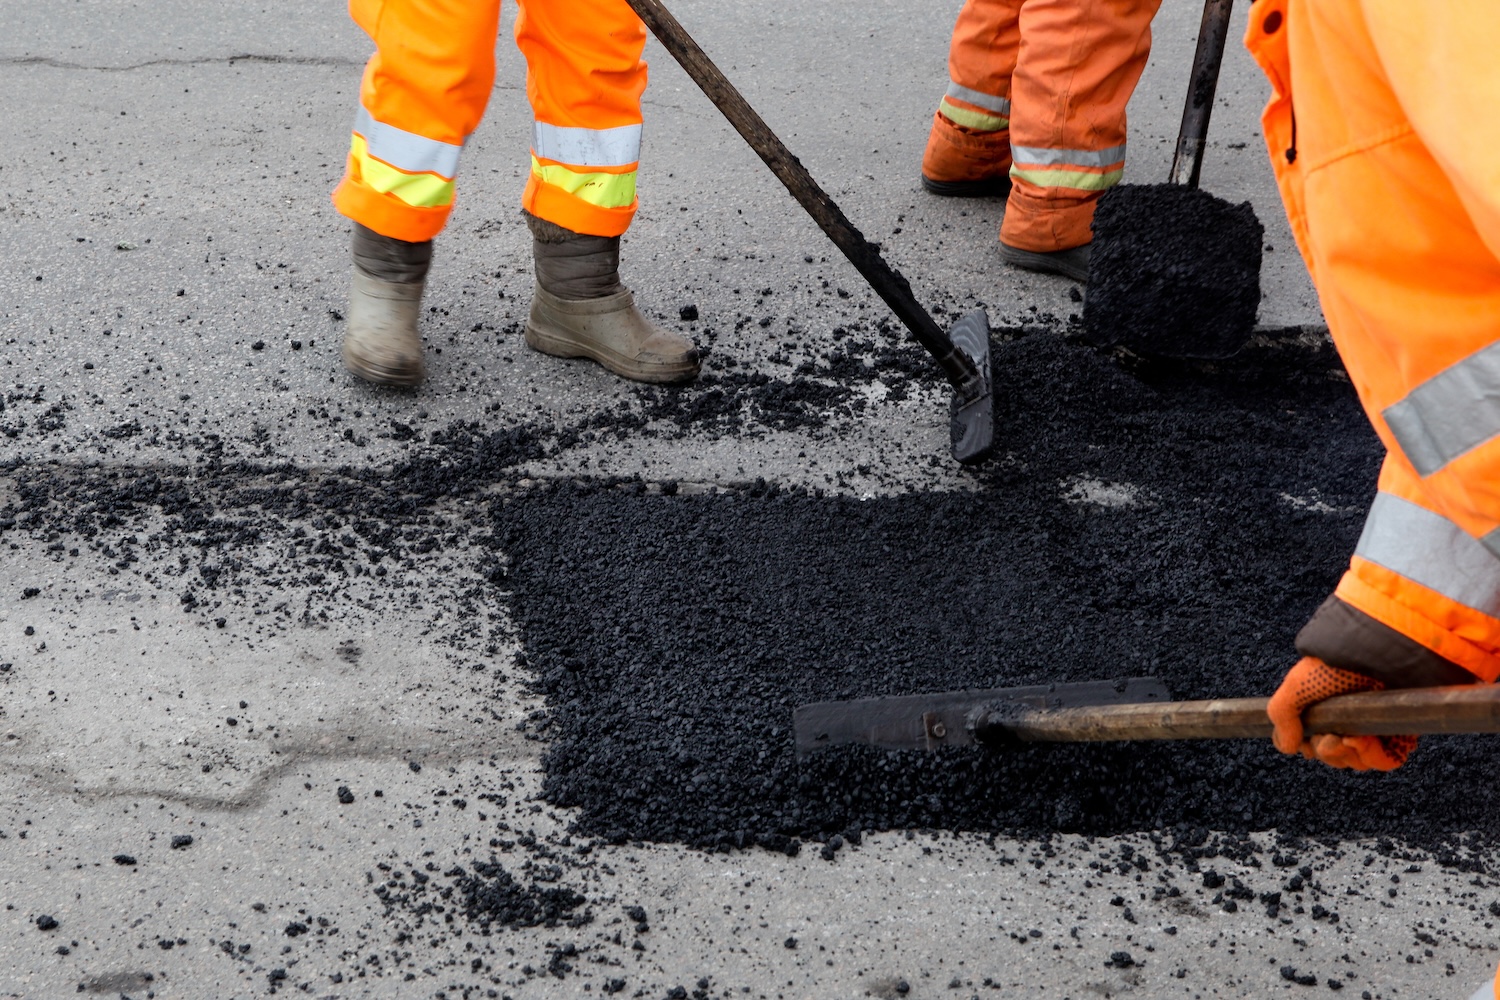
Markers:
1429,549
979,99
1455,410
407,151
1034,156
587,147
1491,541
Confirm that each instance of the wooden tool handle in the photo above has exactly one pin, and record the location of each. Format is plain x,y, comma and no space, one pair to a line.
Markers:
1468,708
888,283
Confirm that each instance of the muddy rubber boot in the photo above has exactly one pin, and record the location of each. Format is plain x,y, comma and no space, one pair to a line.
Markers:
962,163
580,310
1072,263
381,342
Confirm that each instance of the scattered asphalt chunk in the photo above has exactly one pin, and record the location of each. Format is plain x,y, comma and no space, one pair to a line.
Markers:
27,593
296,929
1289,973
1120,960
345,795
124,859
45,922
688,313
790,943
489,896
182,840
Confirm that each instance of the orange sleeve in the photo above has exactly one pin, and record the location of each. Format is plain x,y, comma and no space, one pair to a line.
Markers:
1443,63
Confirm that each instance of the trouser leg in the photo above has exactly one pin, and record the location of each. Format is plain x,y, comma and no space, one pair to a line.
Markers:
423,92
584,78
1078,64
968,147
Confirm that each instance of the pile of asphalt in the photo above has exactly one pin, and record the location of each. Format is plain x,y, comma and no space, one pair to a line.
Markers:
1174,272
1168,521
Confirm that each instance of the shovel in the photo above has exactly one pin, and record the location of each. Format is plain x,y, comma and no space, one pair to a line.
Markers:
963,352
1174,271
1134,709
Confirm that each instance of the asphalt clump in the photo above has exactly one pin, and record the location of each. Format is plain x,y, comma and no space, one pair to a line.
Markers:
1174,272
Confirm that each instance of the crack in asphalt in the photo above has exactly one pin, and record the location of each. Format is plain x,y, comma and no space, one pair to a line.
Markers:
254,57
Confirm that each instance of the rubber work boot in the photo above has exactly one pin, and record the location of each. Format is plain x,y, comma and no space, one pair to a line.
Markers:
381,343
1072,263
580,310
963,163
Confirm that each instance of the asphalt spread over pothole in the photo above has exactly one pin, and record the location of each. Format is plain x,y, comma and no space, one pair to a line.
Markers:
673,636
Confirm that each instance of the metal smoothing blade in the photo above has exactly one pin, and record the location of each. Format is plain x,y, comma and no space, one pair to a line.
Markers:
971,420
942,719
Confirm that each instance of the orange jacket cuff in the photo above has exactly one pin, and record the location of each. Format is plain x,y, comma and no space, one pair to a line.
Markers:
1359,594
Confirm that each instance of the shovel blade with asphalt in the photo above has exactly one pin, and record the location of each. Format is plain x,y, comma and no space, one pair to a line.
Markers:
1175,271
1137,708
963,352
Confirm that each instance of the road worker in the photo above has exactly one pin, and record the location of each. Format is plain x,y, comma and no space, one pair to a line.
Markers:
423,93
1035,110
1389,105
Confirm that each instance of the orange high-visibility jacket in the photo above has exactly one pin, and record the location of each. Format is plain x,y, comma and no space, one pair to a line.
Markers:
1384,137
426,88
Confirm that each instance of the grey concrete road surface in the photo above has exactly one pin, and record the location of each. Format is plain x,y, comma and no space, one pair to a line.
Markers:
254,797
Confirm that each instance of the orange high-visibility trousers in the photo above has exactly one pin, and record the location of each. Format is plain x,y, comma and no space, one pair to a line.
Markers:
425,90
1044,84
1387,153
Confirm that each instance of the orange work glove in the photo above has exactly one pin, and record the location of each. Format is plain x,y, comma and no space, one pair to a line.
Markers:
1309,682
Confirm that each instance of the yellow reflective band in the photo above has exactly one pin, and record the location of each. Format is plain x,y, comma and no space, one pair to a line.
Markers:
977,120
600,190
417,190
1075,179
